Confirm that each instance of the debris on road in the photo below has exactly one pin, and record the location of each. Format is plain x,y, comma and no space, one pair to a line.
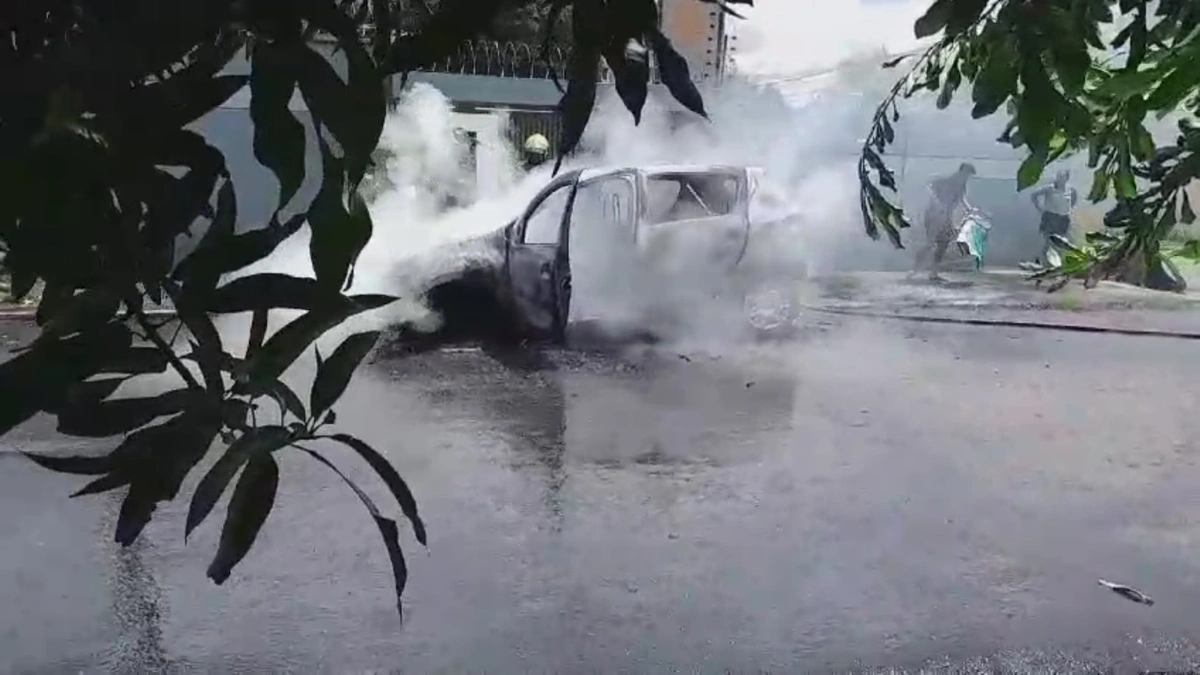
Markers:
1128,592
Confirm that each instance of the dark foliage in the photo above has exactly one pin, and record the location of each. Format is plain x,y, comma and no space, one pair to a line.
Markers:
104,177
1074,76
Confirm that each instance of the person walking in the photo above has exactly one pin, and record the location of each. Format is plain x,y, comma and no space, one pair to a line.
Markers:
947,203
1055,203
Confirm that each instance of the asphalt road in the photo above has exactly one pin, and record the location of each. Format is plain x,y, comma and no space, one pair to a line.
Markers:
872,496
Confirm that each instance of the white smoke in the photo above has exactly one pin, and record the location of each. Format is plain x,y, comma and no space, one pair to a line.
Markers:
807,152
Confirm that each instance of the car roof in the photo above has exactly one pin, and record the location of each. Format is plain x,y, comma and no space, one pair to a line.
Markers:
657,170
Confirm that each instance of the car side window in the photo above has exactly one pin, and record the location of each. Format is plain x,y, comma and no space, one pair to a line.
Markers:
611,200
544,223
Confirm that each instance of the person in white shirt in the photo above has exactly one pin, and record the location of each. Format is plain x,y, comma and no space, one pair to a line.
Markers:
1055,202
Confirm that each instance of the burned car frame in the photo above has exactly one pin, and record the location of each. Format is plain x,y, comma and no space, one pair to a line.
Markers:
629,234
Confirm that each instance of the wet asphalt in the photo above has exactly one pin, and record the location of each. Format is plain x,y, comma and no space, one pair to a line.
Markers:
868,496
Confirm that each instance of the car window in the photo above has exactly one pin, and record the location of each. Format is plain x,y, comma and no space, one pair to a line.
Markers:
684,196
609,201
543,224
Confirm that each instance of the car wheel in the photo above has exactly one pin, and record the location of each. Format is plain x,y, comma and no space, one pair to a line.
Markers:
769,310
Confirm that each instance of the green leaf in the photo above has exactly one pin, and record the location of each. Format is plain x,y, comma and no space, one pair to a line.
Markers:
1100,181
1125,84
949,86
934,19
387,529
278,136
1190,250
963,14
79,465
1101,237
273,290
396,484
1031,170
38,378
672,68
353,111
1172,89
179,100
285,346
1138,38
1186,215
997,79
235,252
266,291
207,349
81,311
288,400
334,373
1166,221
1037,107
252,501
201,270
340,230
1141,143
154,462
1071,63
254,443
109,418
1123,183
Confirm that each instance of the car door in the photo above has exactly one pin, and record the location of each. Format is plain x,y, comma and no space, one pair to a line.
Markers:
693,221
538,273
601,245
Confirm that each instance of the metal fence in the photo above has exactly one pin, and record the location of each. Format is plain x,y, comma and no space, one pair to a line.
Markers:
524,123
519,60
503,59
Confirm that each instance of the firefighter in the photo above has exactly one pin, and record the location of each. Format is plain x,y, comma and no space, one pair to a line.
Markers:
536,151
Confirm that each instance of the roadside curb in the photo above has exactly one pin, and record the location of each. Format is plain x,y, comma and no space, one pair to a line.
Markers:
1081,327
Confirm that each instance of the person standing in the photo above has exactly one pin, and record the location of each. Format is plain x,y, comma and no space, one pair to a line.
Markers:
947,203
1055,202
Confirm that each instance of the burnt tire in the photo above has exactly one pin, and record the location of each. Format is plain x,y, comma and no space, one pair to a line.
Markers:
770,310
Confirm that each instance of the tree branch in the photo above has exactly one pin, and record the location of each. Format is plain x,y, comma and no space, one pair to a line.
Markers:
134,308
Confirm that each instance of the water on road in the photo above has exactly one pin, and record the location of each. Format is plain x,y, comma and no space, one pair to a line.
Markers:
871,496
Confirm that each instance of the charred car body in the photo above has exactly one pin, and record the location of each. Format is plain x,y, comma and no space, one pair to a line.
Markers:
632,248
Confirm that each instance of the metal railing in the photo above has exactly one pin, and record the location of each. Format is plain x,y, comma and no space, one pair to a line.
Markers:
519,60
502,59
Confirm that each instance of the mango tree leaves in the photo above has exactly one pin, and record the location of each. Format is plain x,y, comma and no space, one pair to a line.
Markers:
278,135
283,348
274,290
38,378
391,477
1063,96
340,223
107,176
575,106
620,32
334,373
387,530
112,417
675,74
951,16
252,501
251,445
352,111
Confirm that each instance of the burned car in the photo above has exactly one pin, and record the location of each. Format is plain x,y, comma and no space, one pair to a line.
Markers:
632,248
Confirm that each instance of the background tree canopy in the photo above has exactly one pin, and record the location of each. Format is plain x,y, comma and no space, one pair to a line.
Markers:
104,177
1073,76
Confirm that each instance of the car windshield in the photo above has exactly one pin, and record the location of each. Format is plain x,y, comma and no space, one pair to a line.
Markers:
685,196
